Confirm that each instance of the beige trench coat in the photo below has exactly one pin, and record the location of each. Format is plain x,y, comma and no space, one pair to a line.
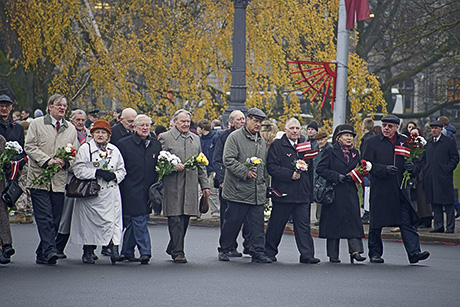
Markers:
181,188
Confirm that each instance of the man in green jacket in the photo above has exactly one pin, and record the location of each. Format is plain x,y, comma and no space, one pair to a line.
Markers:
245,187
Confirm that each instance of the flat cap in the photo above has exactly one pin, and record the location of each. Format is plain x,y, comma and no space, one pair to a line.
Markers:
320,136
5,99
436,123
254,112
118,110
93,112
390,118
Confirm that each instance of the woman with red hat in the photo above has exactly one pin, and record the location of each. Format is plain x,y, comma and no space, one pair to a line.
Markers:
98,220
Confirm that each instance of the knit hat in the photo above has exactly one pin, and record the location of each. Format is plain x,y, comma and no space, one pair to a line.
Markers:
313,125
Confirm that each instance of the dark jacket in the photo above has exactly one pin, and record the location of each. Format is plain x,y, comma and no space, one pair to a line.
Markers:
280,159
342,218
12,131
208,143
386,195
217,160
140,162
118,132
439,162
365,137
316,160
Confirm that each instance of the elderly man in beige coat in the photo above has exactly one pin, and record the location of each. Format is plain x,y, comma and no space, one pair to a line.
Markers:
180,187
45,136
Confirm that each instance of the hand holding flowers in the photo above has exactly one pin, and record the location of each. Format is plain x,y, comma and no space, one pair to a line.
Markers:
12,149
416,144
361,170
196,160
300,166
63,155
166,164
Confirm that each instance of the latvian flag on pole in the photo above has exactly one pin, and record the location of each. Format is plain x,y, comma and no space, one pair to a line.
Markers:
357,177
311,154
303,147
402,151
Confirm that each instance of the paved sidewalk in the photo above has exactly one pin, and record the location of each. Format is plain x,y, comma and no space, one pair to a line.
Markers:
425,235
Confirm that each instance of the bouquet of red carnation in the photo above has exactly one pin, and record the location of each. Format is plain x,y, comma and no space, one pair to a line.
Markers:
66,153
416,144
361,170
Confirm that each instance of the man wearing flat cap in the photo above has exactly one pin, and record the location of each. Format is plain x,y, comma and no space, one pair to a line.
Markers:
390,204
439,162
92,117
245,187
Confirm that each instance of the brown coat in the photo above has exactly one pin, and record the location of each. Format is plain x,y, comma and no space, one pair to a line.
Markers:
181,188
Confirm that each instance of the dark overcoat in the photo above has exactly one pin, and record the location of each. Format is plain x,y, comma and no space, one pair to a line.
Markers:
280,166
12,131
386,195
439,162
118,132
217,159
342,218
140,162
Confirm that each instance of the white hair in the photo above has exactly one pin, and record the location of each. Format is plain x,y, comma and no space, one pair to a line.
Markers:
292,119
77,112
141,116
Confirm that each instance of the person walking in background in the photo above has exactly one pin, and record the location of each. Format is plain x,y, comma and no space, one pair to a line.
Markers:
45,136
244,188
236,121
390,204
439,162
208,139
342,218
140,152
295,194
98,220
447,128
125,127
180,187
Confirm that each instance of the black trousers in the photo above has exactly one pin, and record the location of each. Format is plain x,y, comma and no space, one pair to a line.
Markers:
235,214
301,220
47,211
354,245
177,226
438,216
409,234
245,232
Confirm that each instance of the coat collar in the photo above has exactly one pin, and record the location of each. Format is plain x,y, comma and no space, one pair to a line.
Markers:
49,121
337,151
93,146
176,134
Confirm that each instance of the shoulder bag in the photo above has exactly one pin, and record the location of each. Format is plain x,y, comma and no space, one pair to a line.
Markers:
324,195
79,188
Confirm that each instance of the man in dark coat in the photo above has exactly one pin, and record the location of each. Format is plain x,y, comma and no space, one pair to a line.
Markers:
390,205
125,127
140,153
236,120
367,126
294,195
439,162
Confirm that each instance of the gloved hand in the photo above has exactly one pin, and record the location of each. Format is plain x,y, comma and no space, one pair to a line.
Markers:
349,178
106,175
391,170
409,166
342,178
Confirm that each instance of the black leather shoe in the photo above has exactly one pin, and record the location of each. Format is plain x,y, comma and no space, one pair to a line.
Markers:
438,230
180,258
246,251
419,256
334,260
223,256
272,258
8,251
94,256
449,231
311,260
234,253
51,258
62,256
377,259
261,259
145,259
106,251
3,259
357,257
115,256
130,259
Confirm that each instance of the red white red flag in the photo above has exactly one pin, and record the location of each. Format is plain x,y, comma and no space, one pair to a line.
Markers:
311,154
357,177
357,10
402,151
303,146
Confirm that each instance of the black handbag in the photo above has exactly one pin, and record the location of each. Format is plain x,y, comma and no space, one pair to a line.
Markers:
11,193
82,188
77,188
324,195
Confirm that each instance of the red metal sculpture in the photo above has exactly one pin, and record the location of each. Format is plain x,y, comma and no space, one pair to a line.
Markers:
326,71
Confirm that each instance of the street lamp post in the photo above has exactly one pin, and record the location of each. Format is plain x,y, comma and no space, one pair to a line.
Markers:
238,87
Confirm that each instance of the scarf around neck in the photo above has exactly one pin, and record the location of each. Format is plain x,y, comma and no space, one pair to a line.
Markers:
345,150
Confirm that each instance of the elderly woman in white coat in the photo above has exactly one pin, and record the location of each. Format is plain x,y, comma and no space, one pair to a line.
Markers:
98,220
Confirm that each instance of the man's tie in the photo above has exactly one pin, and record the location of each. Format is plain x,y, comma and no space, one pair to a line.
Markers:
58,125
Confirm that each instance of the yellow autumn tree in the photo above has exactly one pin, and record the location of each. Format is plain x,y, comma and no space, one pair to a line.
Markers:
158,56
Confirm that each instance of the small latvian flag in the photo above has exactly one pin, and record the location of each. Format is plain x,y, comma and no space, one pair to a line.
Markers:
303,147
402,151
357,177
311,154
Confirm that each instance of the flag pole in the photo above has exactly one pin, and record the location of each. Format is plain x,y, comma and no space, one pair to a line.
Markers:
342,67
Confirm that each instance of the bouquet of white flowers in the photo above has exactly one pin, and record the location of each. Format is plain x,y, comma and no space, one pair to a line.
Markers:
165,164
12,149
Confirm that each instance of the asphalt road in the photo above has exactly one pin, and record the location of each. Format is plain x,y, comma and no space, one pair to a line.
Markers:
205,281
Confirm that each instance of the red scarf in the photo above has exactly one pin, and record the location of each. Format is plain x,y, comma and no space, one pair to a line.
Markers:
345,150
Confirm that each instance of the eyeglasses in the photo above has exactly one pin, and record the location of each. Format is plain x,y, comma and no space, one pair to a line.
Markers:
60,105
388,125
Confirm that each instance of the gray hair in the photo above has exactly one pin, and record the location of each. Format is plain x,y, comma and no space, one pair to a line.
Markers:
126,111
234,113
292,119
141,116
53,100
77,112
176,115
